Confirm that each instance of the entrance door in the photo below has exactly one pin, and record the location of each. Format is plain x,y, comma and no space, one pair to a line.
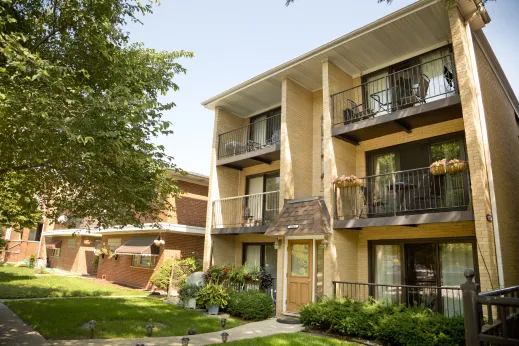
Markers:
299,274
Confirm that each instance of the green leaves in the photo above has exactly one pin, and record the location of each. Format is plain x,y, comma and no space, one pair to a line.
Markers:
79,107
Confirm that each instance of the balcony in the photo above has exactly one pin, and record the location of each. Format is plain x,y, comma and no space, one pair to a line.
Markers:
405,198
256,143
245,214
420,95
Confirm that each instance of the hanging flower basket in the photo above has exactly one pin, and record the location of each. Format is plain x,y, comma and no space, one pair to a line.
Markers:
438,167
159,242
456,166
347,181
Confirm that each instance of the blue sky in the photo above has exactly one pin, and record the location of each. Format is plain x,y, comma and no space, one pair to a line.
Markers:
234,40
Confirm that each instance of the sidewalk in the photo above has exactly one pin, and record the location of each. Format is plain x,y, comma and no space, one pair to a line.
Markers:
247,331
13,331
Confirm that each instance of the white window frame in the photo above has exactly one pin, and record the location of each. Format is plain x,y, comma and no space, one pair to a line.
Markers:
137,261
56,252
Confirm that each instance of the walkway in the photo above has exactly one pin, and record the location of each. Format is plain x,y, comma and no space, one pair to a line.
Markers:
14,332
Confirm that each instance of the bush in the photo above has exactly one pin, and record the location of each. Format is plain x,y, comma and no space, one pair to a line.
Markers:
250,305
162,275
187,291
212,294
389,323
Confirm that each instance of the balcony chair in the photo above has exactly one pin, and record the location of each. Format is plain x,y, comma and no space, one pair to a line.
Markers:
420,90
356,112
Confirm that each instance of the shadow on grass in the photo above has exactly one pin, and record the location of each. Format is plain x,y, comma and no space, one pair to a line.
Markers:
8,277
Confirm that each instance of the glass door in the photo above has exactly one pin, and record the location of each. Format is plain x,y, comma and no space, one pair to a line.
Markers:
421,270
381,185
258,133
272,181
254,202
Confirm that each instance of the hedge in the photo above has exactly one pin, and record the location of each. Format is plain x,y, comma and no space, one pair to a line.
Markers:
390,324
250,305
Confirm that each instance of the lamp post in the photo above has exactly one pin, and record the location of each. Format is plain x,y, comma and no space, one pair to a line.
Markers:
149,328
185,341
224,336
92,326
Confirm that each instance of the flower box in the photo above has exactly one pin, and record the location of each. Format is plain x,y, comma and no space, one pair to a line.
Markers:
438,167
347,181
456,166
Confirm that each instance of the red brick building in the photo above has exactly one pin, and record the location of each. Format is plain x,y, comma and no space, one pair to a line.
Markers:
76,250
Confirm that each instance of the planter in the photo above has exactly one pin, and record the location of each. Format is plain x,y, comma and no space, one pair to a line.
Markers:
438,170
352,183
213,309
191,304
456,167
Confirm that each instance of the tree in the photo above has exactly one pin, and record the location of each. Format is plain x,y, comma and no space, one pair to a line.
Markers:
79,105
447,2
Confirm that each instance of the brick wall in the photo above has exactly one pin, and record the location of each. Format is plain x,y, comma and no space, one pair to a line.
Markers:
120,270
191,207
18,249
469,89
503,131
78,259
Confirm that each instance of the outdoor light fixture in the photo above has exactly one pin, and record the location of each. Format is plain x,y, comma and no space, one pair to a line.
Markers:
149,328
185,341
92,326
277,244
224,336
223,322
324,244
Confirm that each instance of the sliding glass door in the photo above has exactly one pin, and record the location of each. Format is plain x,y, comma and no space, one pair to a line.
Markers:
262,207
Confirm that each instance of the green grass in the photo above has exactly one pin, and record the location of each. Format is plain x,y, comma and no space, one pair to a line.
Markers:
116,317
20,282
297,339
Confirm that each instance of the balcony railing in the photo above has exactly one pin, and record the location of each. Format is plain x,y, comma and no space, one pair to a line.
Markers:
425,82
447,300
246,211
257,135
407,192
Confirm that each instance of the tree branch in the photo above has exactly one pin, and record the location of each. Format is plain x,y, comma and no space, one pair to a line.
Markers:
47,37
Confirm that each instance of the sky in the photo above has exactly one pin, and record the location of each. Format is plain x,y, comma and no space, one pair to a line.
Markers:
235,40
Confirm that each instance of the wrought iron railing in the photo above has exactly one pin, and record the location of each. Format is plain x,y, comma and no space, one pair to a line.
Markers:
425,82
491,318
246,211
257,135
447,300
402,193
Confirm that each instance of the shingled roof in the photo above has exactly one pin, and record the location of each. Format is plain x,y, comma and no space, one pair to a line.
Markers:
308,216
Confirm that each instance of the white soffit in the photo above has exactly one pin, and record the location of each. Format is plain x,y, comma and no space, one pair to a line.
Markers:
417,28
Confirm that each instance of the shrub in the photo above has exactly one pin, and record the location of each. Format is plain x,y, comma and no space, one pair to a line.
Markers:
162,275
212,294
187,291
389,323
250,305
32,261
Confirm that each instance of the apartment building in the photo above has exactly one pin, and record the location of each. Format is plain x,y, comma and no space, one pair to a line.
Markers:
131,254
377,107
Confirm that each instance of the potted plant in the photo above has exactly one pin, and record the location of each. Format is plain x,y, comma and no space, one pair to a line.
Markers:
213,297
438,167
456,166
347,181
187,294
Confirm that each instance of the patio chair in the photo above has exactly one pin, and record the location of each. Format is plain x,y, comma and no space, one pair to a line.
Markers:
420,90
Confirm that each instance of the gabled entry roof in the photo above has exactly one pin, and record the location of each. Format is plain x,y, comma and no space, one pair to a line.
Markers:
139,246
307,216
53,244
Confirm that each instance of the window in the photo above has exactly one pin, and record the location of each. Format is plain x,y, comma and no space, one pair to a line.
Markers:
144,261
56,252
114,243
262,209
261,255
98,245
35,234
71,243
8,234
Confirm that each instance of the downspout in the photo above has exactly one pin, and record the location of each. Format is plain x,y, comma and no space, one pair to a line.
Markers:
484,137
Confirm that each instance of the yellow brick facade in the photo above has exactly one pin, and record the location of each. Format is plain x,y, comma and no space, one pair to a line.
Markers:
306,116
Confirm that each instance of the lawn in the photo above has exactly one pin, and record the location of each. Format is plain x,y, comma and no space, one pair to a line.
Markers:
20,282
297,339
116,317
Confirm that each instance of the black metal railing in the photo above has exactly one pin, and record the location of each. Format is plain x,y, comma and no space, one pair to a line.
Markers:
491,318
246,211
447,300
402,193
425,82
254,136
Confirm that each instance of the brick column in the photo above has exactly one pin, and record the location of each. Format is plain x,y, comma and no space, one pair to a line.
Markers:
468,90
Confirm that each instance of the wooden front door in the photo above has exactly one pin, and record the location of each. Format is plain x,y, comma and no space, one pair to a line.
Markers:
299,273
